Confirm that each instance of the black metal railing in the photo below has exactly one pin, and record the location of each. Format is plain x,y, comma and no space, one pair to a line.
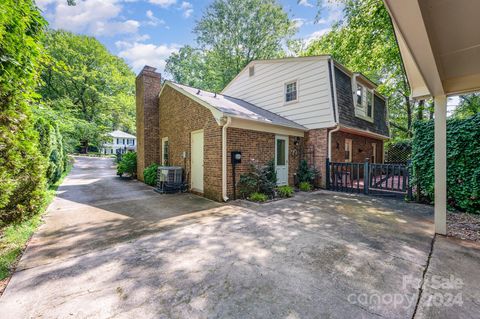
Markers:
369,178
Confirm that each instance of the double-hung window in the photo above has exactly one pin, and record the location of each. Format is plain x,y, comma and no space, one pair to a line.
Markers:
363,100
291,91
370,104
348,150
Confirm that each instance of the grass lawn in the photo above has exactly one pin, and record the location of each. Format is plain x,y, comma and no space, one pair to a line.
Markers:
13,238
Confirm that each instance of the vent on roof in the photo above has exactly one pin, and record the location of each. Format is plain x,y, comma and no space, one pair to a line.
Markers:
251,70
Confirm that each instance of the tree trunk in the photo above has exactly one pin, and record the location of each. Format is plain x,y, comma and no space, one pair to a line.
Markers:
409,107
420,110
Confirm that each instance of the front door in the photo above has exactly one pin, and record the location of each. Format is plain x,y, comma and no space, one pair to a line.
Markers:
281,159
197,161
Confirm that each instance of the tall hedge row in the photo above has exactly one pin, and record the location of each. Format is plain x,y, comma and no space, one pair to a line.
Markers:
463,162
22,169
52,149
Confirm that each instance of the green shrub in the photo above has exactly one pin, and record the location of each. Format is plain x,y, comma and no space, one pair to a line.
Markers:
258,197
22,169
305,173
285,191
305,186
271,172
150,175
51,146
128,164
260,179
463,170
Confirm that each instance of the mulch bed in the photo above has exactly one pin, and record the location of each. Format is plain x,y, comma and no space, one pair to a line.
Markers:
464,226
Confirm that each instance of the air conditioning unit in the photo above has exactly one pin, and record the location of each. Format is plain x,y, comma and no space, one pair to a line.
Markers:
169,177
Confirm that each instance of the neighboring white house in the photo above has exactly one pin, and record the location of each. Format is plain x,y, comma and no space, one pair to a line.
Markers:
119,141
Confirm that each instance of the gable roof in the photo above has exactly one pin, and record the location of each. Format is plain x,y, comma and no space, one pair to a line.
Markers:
121,134
230,106
278,60
308,58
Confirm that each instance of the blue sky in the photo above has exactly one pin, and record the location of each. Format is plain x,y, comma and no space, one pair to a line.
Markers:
148,31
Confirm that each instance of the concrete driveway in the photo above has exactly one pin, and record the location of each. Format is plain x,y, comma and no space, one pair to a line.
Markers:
114,248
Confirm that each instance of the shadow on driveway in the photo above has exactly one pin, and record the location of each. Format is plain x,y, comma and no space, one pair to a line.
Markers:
318,255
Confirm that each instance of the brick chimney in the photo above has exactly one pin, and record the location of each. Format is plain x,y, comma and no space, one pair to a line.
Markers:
147,88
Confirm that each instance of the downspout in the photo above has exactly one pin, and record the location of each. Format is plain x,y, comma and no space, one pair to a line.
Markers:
336,129
224,158
334,87
337,115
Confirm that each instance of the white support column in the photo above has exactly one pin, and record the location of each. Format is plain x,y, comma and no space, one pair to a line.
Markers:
441,164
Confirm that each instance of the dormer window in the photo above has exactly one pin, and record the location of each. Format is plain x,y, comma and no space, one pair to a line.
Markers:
359,94
363,100
291,91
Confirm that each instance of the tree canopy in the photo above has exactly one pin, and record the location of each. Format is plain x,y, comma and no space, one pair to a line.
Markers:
87,84
364,41
230,34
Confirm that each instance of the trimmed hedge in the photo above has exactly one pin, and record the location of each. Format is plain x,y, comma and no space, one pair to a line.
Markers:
463,162
22,169
51,146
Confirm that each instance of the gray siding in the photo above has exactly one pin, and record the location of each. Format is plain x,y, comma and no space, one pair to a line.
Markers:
346,108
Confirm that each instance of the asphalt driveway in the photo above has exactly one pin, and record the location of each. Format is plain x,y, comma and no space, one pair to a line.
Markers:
114,248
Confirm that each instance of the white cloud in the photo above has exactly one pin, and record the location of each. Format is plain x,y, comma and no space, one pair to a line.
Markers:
299,22
316,35
43,4
153,20
112,28
141,38
141,54
305,3
334,12
95,17
163,3
187,8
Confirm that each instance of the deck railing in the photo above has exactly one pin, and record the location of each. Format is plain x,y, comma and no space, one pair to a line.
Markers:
369,178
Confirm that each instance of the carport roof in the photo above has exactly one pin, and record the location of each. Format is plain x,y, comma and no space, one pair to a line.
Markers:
230,106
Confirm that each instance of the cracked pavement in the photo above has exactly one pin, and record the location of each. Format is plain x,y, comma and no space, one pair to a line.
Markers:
112,248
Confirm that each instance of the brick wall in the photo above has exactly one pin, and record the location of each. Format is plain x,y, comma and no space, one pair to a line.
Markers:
317,141
361,147
148,85
179,116
258,147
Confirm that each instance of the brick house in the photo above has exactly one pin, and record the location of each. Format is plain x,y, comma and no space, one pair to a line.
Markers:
283,109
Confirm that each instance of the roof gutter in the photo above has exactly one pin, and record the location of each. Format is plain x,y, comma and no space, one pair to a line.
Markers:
224,158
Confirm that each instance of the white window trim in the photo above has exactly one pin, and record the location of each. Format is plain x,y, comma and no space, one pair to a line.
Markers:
374,152
285,92
350,148
164,139
361,111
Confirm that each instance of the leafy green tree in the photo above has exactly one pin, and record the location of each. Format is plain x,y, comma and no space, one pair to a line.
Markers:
83,81
22,181
188,67
364,41
230,34
469,106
